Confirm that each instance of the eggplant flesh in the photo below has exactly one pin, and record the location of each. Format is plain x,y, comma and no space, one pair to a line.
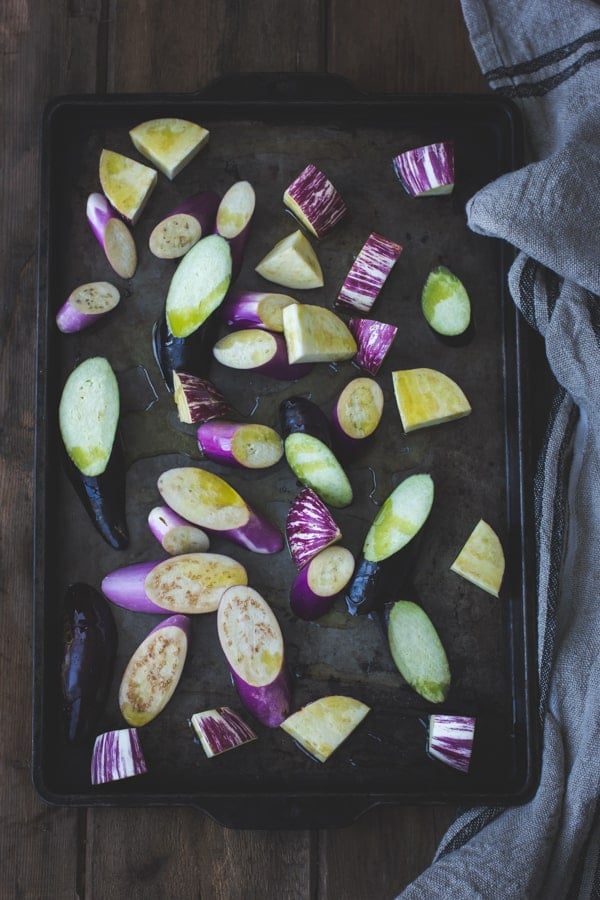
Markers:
89,652
103,497
192,354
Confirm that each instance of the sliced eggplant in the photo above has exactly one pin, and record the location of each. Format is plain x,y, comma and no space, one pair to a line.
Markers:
256,350
417,651
446,306
184,226
88,419
368,273
243,445
198,400
316,586
192,355
199,286
89,650
220,730
314,201
389,549
309,527
117,755
307,448
374,340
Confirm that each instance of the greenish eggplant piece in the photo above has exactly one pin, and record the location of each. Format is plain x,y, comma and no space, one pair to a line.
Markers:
88,657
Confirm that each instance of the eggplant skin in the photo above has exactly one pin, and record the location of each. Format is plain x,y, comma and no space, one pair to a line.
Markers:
103,497
299,415
88,657
192,354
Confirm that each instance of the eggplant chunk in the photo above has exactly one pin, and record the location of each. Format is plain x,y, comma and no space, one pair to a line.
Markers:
88,657
192,354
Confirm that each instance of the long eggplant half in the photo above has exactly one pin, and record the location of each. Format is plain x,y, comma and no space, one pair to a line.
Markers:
88,415
88,658
192,354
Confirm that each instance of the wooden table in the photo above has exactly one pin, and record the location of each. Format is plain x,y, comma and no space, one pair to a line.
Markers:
87,46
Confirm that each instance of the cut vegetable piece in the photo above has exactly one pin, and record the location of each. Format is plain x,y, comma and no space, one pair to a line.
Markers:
153,672
185,225
322,726
89,414
117,755
450,739
125,587
307,447
86,305
252,642
292,263
426,171
169,143
427,397
316,334
199,285
234,215
198,400
88,419
417,651
209,501
400,517
255,350
481,560
445,303
243,445
315,202
127,184
89,650
357,413
309,527
192,354
316,586
193,582
368,273
113,235
316,466
174,534
220,730
255,309
374,340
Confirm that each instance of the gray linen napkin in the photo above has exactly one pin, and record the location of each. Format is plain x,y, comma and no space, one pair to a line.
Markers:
545,54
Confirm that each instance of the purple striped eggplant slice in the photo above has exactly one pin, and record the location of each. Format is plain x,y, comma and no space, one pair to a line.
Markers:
255,309
112,234
316,586
220,730
252,642
175,534
243,445
309,527
450,739
374,340
86,305
426,171
117,755
314,201
368,273
207,500
198,400
256,350
183,227
154,670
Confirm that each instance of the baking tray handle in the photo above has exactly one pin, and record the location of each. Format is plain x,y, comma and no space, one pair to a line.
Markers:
284,86
285,812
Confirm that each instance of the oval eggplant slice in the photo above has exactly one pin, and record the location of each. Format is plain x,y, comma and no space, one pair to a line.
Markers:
89,651
253,646
154,670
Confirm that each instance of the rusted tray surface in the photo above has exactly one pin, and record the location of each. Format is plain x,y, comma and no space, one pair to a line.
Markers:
266,131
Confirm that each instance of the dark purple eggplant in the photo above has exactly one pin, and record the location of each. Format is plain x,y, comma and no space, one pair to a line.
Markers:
192,354
299,415
103,497
89,652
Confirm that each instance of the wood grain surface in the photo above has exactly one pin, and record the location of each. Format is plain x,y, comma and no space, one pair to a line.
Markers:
82,46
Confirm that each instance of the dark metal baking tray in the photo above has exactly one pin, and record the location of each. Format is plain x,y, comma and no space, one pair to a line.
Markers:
266,129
